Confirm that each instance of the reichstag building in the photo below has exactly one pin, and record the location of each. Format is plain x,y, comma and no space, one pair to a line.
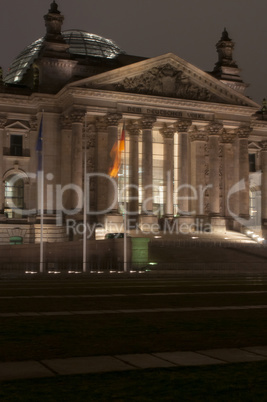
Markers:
195,147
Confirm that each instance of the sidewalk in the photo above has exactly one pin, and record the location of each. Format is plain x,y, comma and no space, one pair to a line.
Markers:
100,364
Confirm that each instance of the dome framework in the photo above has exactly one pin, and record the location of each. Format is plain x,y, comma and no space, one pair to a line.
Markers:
81,43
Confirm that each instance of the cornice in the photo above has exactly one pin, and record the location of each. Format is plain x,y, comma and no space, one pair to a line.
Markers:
113,96
259,124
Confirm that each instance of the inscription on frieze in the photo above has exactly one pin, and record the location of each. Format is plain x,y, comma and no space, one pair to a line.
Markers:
175,114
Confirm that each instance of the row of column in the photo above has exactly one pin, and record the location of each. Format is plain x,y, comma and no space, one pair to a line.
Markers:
229,147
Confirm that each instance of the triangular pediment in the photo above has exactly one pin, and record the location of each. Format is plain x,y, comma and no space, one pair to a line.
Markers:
167,76
17,125
253,146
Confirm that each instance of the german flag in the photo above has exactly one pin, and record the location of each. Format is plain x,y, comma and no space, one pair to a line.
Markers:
116,154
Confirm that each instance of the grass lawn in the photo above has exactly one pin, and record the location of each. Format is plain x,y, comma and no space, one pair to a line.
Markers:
244,382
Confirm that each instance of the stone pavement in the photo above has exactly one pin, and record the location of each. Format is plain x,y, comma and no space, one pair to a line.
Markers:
100,364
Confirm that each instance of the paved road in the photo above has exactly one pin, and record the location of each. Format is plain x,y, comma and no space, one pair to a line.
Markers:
135,322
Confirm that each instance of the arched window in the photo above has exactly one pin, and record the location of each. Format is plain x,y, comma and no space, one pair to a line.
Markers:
14,195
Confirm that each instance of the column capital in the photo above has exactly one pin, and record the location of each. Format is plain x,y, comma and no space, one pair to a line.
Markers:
77,116
113,119
65,122
101,123
196,135
89,128
227,137
264,146
33,123
3,121
168,132
147,122
133,129
244,131
183,125
215,128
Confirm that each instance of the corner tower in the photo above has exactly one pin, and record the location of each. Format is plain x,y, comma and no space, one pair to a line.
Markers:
54,64
226,69
53,39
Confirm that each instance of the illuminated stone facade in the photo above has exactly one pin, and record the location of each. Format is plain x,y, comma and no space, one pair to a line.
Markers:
195,144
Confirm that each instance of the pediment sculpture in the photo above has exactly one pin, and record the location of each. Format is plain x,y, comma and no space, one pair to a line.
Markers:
168,81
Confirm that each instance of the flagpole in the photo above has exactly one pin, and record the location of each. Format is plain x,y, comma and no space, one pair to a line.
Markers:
41,172
42,223
124,214
84,200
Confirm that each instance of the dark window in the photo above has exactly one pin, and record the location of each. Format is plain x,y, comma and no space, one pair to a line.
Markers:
252,162
16,145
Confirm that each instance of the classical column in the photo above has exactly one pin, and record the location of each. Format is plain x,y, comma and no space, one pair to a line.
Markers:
3,122
66,159
147,164
243,134
133,208
112,120
230,174
32,183
183,166
264,187
102,157
77,118
214,130
168,171
198,140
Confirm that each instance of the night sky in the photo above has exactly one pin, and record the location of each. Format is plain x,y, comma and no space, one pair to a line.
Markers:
190,29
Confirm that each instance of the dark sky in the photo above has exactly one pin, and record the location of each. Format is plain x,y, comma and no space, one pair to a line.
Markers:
190,29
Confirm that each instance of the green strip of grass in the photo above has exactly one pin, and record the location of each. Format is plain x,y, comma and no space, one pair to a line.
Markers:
235,382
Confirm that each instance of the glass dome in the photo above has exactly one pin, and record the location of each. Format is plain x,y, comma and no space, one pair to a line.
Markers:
80,43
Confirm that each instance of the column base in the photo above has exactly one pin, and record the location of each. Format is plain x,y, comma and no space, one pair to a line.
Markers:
218,224
148,223
3,217
264,228
186,224
114,223
229,223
